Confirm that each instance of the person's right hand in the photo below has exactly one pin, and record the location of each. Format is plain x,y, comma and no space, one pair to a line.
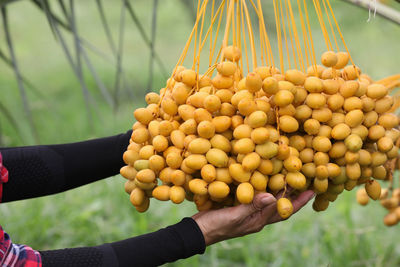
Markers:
227,223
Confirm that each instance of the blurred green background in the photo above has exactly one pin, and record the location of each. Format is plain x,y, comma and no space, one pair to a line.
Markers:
345,235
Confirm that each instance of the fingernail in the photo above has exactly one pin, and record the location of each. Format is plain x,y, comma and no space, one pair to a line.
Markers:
267,200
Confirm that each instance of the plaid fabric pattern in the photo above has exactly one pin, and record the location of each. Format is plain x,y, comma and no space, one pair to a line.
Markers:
3,176
13,255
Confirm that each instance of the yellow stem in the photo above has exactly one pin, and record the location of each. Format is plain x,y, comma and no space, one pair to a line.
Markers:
330,25
200,46
209,30
278,34
211,36
218,27
291,36
195,35
322,25
251,36
284,34
227,26
340,32
244,36
296,36
389,79
305,35
184,52
310,33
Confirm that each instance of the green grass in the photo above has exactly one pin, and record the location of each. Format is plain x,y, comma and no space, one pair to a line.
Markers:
345,235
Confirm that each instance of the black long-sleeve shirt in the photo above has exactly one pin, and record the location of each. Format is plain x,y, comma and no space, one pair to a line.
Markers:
36,171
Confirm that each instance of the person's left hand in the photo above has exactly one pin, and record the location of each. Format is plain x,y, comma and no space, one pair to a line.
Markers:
227,223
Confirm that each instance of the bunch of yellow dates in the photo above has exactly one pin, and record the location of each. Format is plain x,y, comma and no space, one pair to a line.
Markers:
218,141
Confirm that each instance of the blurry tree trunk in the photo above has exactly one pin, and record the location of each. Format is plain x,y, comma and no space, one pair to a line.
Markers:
381,9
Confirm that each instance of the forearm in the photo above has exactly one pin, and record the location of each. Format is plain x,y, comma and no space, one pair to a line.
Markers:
178,241
43,170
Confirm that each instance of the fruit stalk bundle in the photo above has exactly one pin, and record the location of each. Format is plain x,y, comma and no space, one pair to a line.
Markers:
219,139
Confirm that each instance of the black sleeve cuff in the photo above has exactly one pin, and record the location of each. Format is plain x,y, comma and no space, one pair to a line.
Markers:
84,256
178,241
175,242
191,236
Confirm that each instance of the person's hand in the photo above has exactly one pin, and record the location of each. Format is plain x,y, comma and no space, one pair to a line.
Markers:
223,224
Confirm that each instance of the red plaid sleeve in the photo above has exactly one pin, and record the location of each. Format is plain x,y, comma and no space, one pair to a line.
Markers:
13,255
3,176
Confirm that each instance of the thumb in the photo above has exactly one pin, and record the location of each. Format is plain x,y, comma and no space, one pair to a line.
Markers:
260,201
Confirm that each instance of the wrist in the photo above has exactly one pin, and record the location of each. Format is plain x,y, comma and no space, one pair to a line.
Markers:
209,237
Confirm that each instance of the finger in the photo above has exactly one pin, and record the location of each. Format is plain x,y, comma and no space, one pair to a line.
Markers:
256,221
259,202
297,202
302,200
268,213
